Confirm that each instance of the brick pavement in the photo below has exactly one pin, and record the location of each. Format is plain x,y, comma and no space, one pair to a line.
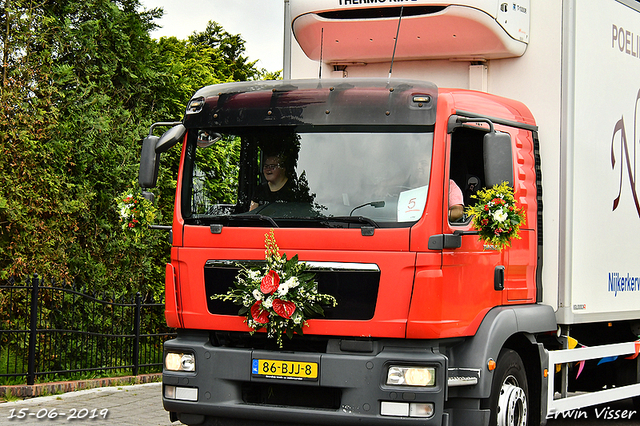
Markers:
139,405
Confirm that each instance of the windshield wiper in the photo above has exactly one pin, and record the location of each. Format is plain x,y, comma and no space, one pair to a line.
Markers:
240,217
351,219
257,217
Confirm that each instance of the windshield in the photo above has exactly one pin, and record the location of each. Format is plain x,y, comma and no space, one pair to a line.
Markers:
293,178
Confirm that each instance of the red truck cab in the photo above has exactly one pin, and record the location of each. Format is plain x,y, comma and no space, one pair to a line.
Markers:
371,164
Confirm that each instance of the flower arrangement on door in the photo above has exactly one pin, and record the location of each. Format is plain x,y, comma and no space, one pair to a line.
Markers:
496,216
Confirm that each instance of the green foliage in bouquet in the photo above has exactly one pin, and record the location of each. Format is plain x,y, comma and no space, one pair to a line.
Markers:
496,216
136,212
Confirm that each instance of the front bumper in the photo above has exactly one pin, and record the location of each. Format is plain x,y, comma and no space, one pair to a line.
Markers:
350,386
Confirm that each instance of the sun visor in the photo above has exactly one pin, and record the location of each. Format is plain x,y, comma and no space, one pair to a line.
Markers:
353,31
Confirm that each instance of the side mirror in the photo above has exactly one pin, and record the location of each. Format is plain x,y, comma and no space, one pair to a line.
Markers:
149,163
152,147
498,159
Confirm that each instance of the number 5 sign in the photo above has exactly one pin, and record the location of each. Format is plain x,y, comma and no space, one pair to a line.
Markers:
411,204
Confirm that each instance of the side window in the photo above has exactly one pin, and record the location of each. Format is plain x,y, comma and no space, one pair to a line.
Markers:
466,170
212,165
478,160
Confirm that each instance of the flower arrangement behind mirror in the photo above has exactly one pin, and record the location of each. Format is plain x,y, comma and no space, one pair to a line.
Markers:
136,212
496,216
279,296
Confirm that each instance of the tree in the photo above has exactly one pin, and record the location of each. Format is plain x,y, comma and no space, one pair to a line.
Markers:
74,99
81,83
226,53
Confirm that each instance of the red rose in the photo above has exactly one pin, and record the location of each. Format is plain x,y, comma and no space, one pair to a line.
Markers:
284,308
270,282
259,315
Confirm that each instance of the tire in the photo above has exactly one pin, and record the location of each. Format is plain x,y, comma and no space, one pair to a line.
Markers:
509,400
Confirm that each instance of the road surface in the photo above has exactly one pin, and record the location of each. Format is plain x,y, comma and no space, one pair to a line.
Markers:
141,405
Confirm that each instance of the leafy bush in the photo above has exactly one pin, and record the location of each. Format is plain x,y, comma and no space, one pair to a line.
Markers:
82,82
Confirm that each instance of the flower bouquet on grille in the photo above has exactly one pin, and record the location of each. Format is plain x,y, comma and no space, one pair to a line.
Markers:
278,297
496,216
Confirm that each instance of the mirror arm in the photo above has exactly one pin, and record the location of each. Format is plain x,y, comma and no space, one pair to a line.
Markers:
456,121
163,124
459,232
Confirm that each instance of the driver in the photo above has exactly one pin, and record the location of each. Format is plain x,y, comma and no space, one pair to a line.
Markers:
278,185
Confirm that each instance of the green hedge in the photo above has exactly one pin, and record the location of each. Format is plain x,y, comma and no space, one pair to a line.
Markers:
82,81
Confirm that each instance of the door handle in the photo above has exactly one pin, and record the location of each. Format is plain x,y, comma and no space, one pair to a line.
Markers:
448,241
498,278
444,241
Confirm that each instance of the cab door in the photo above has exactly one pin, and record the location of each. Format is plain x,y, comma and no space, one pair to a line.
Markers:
478,276
469,270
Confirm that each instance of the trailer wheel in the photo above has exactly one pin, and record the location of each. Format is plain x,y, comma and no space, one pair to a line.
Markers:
509,399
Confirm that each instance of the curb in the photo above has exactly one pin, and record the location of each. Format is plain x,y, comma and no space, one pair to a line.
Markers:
44,389
79,394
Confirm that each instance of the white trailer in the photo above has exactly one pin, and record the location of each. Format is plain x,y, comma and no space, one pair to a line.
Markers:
576,65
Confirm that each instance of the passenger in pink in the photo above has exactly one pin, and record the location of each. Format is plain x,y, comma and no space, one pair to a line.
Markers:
456,202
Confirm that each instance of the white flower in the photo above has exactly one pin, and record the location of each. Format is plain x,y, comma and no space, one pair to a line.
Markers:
254,275
283,289
267,303
257,294
499,216
292,282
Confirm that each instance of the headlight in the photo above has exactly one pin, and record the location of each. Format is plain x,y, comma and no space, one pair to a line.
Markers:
411,376
180,362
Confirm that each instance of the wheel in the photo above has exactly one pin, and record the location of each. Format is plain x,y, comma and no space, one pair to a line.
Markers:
509,400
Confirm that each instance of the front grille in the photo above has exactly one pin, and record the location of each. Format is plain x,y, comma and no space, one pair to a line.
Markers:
355,287
291,395
260,341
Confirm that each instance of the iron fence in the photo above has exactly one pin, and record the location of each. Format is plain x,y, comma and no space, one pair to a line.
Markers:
58,330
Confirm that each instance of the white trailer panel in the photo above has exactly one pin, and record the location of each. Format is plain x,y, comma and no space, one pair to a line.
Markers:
602,275
580,76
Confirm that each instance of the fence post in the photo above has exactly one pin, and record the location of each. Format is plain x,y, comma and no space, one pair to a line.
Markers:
31,372
136,332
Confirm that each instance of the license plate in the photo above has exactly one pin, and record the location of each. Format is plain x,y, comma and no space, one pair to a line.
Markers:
277,369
